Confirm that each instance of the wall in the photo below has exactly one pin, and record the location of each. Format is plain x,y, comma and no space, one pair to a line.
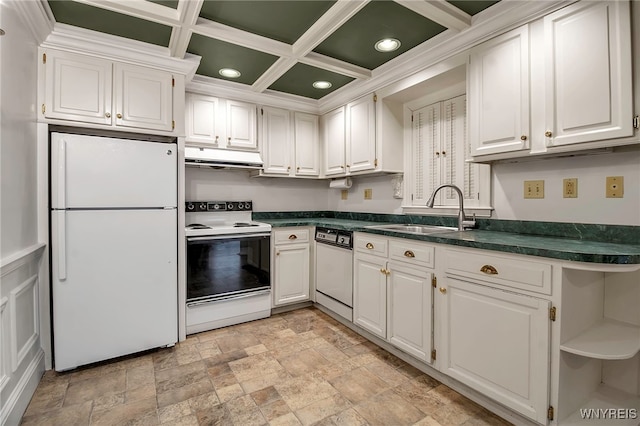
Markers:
267,194
382,200
21,357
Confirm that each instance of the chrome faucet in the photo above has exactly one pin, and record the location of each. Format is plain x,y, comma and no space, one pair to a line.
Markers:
463,222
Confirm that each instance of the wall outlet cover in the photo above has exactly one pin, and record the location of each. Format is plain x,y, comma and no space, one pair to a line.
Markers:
570,188
615,186
534,189
368,194
344,194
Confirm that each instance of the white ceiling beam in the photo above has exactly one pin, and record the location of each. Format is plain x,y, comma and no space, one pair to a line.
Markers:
180,36
333,19
142,9
241,38
439,11
335,65
274,72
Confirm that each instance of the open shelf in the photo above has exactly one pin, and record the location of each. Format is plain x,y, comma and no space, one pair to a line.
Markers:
607,398
609,339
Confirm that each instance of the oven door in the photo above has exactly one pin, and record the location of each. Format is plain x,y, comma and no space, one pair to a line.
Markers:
227,266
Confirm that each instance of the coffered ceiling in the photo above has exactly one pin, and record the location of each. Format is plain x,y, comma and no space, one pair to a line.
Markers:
276,46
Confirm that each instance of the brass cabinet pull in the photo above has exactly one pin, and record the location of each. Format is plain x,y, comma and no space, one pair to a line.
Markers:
548,134
443,290
289,168
523,138
409,253
369,246
119,115
385,271
488,269
108,115
293,237
382,270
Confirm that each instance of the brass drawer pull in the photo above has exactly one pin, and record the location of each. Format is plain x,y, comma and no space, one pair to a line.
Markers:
409,253
293,237
385,271
369,246
488,269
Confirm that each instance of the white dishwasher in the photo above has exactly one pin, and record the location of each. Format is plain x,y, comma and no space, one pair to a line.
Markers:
334,270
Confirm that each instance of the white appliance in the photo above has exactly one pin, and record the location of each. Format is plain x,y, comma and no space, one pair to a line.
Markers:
334,270
228,265
114,247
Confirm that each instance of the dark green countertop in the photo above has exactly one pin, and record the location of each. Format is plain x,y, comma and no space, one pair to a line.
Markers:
555,247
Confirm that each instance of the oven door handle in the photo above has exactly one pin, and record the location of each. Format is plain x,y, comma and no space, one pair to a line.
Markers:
228,236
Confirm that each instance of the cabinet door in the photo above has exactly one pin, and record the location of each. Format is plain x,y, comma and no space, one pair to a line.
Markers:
497,342
426,153
499,94
588,73
77,88
334,142
306,144
203,123
241,125
361,135
291,273
276,140
370,294
143,97
410,310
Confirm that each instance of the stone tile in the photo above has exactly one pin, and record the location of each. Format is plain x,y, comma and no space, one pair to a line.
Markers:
208,349
419,396
265,381
204,402
362,360
48,396
224,380
303,362
224,358
388,408
230,392
177,376
274,409
358,385
139,376
257,349
388,374
189,390
89,389
174,411
139,412
319,410
106,402
142,392
486,419
330,352
349,417
71,415
245,412
217,415
304,390
232,343
427,421
255,366
265,396
187,354
190,420
165,359
219,370
286,420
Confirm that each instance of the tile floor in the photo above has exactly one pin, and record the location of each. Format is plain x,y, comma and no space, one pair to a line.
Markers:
299,367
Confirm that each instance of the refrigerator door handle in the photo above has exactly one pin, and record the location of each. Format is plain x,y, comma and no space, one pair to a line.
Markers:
61,171
62,245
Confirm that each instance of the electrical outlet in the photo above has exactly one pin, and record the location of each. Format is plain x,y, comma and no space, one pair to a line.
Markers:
344,194
570,188
615,186
368,194
533,189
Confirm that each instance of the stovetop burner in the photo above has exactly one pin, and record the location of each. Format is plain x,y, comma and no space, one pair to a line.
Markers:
198,226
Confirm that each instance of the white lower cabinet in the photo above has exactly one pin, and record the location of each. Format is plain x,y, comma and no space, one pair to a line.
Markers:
393,298
291,271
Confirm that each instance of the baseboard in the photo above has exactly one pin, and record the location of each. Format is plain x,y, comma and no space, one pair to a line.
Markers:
15,406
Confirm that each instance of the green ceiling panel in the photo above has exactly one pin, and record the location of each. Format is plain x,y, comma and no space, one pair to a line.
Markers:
173,4
105,21
299,81
472,6
354,41
218,54
284,21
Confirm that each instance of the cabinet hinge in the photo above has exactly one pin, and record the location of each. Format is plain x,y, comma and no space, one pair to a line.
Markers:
173,124
636,122
44,108
173,82
434,281
412,118
550,412
375,98
44,59
261,111
552,313
411,197
433,354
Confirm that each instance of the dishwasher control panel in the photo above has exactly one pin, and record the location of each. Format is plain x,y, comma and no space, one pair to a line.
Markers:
335,237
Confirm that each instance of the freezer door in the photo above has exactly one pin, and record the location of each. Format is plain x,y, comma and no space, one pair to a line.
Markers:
99,172
114,283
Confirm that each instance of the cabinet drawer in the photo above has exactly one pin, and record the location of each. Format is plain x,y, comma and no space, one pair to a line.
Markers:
291,236
414,253
370,244
505,271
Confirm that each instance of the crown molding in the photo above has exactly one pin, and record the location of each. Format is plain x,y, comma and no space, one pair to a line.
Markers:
440,12
87,42
37,16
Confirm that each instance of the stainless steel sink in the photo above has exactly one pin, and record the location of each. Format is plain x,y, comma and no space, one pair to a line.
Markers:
414,229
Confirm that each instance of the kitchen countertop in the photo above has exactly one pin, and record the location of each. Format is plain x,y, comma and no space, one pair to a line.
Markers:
555,247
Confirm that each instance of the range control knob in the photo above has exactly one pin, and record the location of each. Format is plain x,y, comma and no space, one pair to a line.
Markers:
191,207
247,206
230,206
240,206
216,206
203,207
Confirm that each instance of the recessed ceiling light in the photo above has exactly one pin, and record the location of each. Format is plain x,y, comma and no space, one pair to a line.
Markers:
387,45
229,73
321,84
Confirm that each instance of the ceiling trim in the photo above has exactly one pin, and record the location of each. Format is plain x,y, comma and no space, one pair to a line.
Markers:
241,38
332,19
336,65
439,11
180,37
38,18
275,71
146,10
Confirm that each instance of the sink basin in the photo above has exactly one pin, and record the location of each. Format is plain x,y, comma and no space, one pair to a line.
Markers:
414,229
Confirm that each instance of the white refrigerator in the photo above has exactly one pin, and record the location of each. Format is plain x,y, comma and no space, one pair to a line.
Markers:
113,247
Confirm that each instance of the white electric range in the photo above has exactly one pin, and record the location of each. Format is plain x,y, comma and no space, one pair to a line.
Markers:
228,265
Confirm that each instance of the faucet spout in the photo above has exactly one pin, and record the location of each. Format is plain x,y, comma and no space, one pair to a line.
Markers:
463,222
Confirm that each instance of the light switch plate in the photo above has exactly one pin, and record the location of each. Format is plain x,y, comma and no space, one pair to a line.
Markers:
368,194
615,186
533,189
344,194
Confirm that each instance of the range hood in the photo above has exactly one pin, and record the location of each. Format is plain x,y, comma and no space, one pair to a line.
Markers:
221,158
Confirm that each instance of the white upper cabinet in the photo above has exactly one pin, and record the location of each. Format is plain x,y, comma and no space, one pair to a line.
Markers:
276,140
241,125
334,142
361,134
96,91
306,138
203,120
499,94
588,73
